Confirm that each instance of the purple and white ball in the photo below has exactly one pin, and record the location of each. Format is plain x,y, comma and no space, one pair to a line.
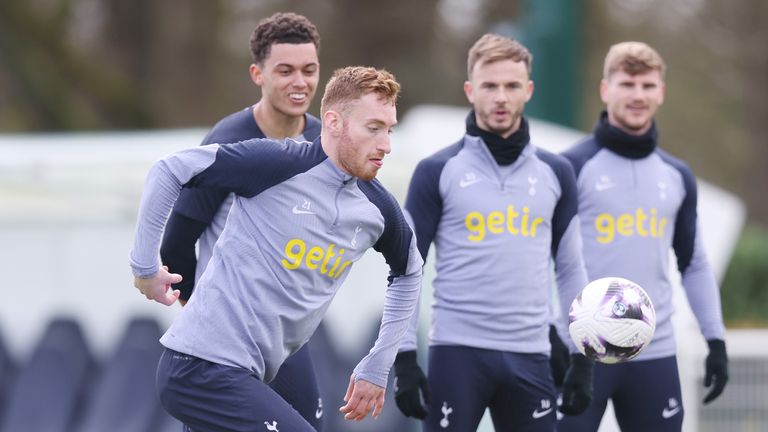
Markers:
612,320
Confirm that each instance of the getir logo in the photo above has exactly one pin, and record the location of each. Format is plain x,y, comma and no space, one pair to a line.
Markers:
627,224
316,258
497,222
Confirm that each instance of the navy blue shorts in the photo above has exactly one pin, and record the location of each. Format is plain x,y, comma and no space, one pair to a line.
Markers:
464,381
646,397
210,397
297,384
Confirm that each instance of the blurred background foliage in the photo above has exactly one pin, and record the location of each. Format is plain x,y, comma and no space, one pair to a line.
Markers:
69,65
745,297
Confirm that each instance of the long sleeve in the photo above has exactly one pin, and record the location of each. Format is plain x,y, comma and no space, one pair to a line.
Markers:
399,247
703,294
697,278
423,209
162,188
177,250
400,303
567,245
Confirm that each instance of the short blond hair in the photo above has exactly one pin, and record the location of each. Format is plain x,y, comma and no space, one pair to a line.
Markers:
492,47
633,58
353,82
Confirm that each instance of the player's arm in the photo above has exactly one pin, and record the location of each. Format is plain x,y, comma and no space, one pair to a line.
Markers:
559,355
571,277
222,167
193,212
398,245
177,250
567,247
700,287
424,210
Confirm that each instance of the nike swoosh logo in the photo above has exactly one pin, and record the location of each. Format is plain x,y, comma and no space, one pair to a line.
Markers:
465,183
297,211
318,413
539,414
603,186
667,413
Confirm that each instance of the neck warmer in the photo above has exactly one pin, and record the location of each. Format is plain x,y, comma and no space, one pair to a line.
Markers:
504,150
623,143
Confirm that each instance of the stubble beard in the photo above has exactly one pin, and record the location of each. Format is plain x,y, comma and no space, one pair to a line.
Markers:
503,131
348,159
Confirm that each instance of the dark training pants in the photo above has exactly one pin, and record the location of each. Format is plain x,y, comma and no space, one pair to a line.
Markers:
646,397
210,397
518,389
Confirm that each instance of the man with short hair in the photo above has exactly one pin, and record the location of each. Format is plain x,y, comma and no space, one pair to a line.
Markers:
636,202
499,211
303,212
286,68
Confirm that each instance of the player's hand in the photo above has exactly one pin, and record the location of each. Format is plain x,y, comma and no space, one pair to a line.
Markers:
716,369
409,379
577,385
558,357
156,288
361,398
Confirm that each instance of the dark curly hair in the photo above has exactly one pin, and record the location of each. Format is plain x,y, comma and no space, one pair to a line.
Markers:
282,27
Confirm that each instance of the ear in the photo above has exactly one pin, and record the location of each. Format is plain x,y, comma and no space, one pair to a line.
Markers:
468,91
604,91
333,123
256,74
663,91
529,91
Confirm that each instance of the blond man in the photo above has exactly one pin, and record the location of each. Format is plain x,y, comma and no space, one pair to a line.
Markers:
636,202
303,213
499,210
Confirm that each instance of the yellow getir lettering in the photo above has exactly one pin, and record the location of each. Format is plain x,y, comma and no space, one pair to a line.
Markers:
336,263
604,225
640,217
536,221
475,223
662,224
314,256
495,221
524,222
328,255
511,216
624,224
343,267
295,256
641,223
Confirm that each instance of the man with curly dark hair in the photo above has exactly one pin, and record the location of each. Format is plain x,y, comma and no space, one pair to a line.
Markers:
286,68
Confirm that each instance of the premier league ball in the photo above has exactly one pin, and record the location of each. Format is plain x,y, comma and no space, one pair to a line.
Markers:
612,320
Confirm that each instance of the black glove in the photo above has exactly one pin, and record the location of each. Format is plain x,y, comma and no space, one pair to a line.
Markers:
577,386
409,378
558,357
716,369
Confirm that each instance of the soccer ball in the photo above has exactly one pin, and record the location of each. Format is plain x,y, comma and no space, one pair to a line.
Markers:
612,320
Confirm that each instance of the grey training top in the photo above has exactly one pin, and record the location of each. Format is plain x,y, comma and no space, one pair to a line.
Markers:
211,206
297,224
497,230
633,211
